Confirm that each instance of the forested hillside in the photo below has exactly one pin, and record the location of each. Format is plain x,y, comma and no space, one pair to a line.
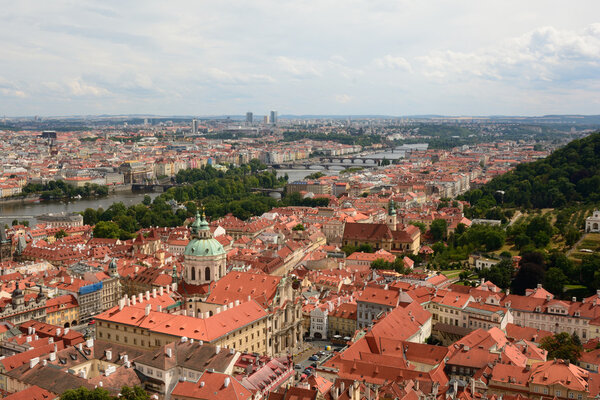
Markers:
569,175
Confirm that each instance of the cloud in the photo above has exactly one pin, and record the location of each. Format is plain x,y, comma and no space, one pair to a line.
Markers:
545,54
80,88
343,98
393,62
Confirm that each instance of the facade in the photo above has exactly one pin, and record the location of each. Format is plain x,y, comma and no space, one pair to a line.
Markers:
62,311
318,321
5,246
342,320
592,223
23,307
243,327
374,301
64,219
136,172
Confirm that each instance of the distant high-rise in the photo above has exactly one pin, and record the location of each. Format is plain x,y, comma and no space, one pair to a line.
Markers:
249,117
194,126
273,118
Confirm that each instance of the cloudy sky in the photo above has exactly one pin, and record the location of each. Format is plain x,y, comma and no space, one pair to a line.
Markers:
394,57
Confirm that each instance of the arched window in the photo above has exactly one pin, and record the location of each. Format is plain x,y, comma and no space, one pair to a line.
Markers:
207,274
193,273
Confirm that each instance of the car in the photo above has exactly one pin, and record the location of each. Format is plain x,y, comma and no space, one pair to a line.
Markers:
297,366
314,365
314,357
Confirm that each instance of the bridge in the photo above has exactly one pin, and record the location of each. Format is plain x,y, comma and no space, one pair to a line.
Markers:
273,192
365,160
152,187
19,217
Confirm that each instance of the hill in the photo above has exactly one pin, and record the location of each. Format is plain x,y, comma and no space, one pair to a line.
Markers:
568,176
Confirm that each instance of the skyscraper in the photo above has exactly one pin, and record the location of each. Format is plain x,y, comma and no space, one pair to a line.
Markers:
194,126
273,118
249,117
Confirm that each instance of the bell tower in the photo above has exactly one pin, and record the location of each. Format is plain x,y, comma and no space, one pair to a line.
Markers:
392,222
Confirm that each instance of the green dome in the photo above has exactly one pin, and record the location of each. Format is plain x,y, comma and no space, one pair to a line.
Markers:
204,248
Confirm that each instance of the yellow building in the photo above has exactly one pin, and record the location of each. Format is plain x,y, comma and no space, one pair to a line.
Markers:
242,327
342,321
62,311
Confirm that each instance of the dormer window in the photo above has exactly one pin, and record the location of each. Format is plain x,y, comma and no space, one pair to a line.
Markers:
538,309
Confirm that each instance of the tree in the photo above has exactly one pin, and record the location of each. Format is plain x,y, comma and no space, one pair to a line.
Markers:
562,346
107,229
127,393
422,227
85,394
298,227
90,216
147,200
60,234
499,274
438,229
555,281
530,273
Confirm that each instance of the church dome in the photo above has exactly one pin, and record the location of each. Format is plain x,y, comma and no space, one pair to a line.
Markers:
202,243
204,248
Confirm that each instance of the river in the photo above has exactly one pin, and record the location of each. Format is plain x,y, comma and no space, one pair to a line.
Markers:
28,211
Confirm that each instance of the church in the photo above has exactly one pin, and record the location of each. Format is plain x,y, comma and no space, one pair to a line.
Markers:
205,261
390,236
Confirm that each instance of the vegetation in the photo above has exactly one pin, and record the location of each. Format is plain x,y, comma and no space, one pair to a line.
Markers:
358,138
568,176
219,192
315,175
127,393
562,346
61,190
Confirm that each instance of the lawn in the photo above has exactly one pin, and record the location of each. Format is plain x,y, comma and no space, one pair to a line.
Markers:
452,273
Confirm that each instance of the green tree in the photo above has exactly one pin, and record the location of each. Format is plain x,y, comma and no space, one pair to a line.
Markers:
90,216
561,346
147,200
438,229
499,274
555,281
422,227
107,229
86,394
298,227
60,234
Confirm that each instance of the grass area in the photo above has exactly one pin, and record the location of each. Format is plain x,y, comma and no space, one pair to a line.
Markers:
571,287
452,273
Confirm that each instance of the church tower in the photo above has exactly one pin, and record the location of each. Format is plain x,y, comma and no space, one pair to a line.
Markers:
204,257
391,222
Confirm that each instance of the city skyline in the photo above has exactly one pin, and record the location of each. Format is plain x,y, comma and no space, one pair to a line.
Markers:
402,58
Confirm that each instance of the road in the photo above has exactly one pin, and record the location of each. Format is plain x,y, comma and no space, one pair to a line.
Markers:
310,349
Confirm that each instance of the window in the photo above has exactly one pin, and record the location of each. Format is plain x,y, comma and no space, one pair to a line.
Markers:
571,395
207,273
545,390
557,393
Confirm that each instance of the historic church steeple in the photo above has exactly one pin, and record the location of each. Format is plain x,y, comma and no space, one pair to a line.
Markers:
392,222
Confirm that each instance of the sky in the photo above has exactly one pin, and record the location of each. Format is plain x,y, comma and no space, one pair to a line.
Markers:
350,57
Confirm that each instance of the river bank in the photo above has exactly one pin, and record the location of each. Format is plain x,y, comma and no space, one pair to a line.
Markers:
28,210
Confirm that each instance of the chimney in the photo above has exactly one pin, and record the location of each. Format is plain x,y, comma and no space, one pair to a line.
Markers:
200,342
100,384
161,291
89,343
44,362
121,304
108,354
217,349
33,362
53,356
227,381
539,285
184,339
30,330
169,352
159,308
125,358
141,297
58,331
82,373
237,303
147,309
574,299
154,293
147,295
66,331
218,310
50,340
133,300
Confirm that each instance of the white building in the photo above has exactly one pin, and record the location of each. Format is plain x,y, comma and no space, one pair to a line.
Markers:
592,224
318,321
